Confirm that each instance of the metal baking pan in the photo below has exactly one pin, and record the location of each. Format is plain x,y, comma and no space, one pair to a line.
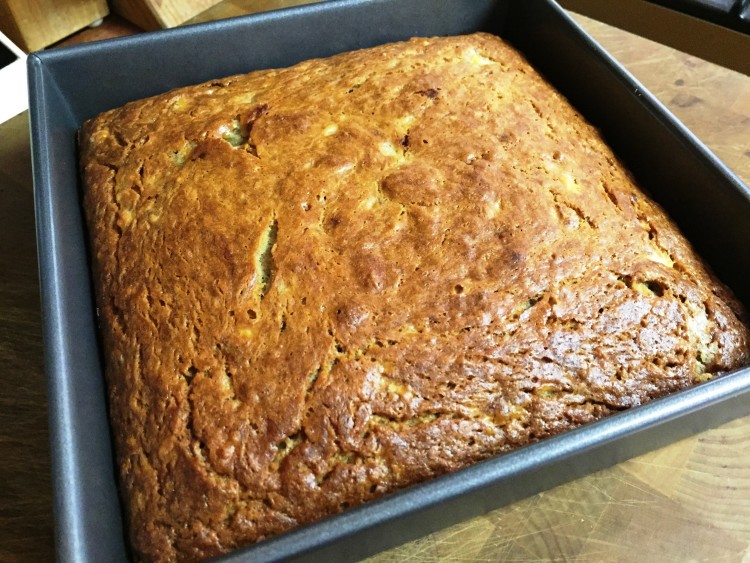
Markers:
67,86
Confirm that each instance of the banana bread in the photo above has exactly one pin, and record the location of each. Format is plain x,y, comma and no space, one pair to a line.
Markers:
319,284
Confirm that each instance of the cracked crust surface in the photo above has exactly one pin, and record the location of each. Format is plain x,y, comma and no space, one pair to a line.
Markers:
323,283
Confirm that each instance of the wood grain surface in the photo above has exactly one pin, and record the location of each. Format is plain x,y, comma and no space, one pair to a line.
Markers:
25,483
689,501
687,33
35,24
159,14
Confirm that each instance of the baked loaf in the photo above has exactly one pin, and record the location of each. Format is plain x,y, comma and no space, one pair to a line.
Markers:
319,284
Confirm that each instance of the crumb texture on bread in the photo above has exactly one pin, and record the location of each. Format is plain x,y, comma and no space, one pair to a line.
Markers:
323,283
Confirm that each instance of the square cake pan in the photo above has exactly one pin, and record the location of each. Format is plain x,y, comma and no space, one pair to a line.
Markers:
67,86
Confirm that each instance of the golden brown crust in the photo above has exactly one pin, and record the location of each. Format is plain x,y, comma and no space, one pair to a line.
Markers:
323,283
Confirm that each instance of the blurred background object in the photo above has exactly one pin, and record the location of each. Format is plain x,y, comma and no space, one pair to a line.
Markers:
733,14
35,24
158,14
14,97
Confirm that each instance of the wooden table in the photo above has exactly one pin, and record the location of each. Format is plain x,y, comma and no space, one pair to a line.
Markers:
688,501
